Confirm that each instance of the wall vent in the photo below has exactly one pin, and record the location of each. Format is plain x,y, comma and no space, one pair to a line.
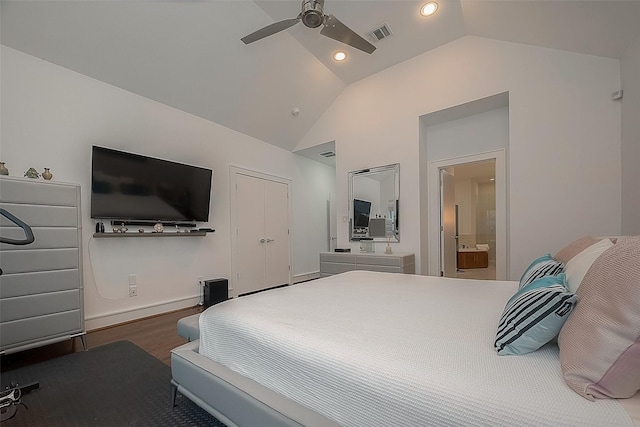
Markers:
380,33
328,154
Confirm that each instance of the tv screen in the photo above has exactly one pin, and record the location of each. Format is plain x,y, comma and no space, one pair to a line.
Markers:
361,212
127,186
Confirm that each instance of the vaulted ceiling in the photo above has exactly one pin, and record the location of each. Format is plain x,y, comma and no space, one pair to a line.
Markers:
188,53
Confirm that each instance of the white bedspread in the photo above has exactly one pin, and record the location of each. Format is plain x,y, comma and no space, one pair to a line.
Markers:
379,349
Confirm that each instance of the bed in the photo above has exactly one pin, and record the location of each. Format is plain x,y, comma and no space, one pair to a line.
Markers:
378,349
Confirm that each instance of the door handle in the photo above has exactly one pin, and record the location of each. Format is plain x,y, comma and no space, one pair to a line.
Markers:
269,240
263,240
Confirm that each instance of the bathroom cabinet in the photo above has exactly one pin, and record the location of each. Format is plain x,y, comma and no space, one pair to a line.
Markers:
473,258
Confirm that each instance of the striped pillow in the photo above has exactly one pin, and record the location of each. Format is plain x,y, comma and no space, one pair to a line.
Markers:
541,267
534,315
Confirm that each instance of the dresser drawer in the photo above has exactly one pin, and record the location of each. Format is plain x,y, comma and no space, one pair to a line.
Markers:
336,267
340,257
382,268
19,284
24,331
40,193
39,304
20,261
380,260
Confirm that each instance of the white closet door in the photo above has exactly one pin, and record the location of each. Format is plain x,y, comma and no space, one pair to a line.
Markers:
277,233
250,226
262,234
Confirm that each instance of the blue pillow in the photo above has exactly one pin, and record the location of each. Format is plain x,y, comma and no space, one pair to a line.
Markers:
534,315
541,267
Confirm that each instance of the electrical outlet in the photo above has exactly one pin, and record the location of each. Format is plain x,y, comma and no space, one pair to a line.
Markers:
199,281
133,291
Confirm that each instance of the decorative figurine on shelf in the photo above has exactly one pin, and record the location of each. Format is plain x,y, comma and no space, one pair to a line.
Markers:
158,228
47,174
121,229
32,173
3,169
387,250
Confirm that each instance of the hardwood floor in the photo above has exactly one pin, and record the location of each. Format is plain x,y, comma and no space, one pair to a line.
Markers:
157,335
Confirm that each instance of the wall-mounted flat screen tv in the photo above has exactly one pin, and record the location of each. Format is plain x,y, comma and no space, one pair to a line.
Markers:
132,187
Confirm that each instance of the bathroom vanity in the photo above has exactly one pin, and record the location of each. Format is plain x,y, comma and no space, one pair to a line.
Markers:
472,258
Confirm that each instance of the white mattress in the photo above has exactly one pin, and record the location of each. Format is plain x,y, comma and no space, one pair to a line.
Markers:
380,349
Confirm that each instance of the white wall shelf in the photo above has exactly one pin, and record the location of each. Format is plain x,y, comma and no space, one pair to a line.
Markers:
136,234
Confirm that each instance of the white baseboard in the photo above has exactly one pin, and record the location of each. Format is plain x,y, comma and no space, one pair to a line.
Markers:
122,316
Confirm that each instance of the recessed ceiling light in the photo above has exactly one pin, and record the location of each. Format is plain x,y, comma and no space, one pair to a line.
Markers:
429,8
340,56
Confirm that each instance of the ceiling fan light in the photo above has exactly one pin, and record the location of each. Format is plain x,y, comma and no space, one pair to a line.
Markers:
312,19
312,14
340,56
429,9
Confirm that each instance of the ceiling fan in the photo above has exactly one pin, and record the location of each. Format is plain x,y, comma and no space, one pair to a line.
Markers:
312,16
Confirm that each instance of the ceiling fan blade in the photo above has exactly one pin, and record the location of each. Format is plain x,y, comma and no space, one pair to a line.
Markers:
336,30
270,30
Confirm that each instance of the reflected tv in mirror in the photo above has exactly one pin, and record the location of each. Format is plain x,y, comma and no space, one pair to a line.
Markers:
361,213
132,187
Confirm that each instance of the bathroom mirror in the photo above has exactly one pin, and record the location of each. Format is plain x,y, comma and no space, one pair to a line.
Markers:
373,204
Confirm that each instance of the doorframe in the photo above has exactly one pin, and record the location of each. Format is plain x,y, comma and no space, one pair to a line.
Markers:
234,171
502,219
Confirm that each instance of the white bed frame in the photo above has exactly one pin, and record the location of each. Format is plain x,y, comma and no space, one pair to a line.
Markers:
232,398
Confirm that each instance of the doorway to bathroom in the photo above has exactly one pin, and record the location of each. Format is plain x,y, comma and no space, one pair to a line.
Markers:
469,215
475,220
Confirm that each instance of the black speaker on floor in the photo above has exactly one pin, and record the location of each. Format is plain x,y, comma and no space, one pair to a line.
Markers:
215,291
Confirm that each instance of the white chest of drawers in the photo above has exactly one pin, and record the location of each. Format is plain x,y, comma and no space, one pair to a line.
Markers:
339,262
41,292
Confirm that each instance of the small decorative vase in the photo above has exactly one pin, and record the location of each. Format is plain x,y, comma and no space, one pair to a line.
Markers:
47,174
3,169
32,173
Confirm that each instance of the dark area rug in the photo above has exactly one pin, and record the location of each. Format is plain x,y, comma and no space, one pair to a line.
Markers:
118,384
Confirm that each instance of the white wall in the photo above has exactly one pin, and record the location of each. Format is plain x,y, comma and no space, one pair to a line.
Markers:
50,118
478,133
630,71
564,136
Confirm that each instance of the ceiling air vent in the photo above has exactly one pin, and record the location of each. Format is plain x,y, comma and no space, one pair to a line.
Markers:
380,33
328,154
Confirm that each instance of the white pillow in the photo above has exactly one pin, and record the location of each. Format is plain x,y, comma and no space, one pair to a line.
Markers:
578,266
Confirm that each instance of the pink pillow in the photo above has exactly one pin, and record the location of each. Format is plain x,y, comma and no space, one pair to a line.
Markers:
565,254
600,342
578,266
